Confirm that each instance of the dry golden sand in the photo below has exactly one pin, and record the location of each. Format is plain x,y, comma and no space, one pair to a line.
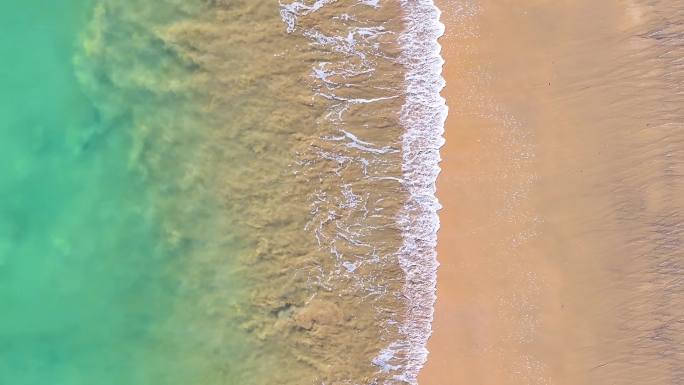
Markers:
561,236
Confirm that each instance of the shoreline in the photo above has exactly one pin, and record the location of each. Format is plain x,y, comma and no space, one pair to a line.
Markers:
423,114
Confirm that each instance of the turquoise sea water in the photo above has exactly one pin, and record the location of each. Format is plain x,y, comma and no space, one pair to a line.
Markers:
89,282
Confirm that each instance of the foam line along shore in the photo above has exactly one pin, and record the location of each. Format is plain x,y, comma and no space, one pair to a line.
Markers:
379,83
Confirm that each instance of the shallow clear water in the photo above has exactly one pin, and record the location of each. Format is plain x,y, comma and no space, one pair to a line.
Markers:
88,279
94,284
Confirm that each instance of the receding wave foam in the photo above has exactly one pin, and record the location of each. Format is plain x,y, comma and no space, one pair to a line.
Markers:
376,79
423,115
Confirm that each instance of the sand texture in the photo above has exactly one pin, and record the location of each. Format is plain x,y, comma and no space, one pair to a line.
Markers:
561,232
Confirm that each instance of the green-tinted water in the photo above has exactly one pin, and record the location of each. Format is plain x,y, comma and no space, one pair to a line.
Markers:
90,280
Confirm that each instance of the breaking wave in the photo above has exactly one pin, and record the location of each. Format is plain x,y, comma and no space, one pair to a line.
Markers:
376,77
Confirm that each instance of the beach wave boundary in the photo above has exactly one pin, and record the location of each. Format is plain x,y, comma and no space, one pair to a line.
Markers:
423,115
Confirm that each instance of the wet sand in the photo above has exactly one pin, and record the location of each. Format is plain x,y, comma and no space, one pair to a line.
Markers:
561,232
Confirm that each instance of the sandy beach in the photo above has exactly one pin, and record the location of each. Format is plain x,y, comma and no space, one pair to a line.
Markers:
561,225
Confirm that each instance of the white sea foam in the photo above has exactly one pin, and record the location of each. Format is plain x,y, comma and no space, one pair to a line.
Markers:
423,116
370,3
